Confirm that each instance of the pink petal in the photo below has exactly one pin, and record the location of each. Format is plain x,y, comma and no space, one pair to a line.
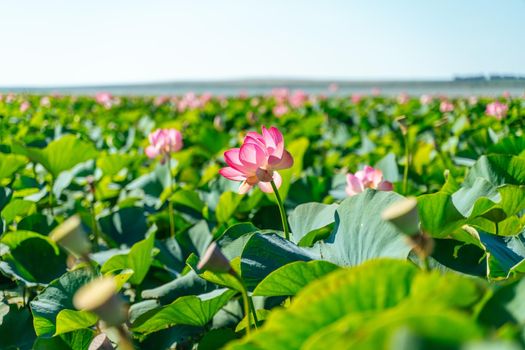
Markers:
274,141
284,163
353,185
252,156
232,174
385,186
232,159
151,152
244,188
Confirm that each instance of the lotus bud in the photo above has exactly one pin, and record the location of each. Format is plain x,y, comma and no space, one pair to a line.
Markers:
72,237
100,296
403,215
101,342
214,260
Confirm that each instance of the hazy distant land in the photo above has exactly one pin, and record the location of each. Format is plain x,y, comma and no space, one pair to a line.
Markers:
494,85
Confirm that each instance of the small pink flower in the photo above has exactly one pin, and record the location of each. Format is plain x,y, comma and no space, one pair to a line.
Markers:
280,110
446,106
506,94
497,109
10,98
257,160
425,99
403,98
356,98
160,100
45,101
298,99
333,87
24,106
243,94
163,142
106,99
280,95
366,178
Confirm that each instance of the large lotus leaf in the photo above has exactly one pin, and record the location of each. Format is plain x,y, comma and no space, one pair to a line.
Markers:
17,208
16,328
138,260
264,253
360,234
187,284
72,320
27,251
498,170
439,217
435,328
61,154
111,164
188,310
125,225
373,286
10,164
291,278
79,339
310,217
505,305
378,296
57,296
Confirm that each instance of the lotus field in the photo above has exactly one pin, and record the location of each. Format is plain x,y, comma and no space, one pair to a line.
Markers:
279,221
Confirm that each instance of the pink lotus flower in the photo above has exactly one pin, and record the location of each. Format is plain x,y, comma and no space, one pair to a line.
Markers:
163,142
280,95
356,98
497,109
24,106
298,99
403,98
280,110
366,178
446,106
256,162
45,101
425,99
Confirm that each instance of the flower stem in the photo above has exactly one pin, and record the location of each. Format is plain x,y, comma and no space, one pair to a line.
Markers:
247,301
254,313
281,209
405,173
170,205
246,304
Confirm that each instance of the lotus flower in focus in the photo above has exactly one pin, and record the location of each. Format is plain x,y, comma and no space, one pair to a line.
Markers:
256,162
163,142
497,109
366,178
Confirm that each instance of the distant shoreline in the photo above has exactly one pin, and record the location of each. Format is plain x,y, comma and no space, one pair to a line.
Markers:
460,86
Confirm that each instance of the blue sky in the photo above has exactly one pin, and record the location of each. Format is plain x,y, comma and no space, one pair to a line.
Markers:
61,42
